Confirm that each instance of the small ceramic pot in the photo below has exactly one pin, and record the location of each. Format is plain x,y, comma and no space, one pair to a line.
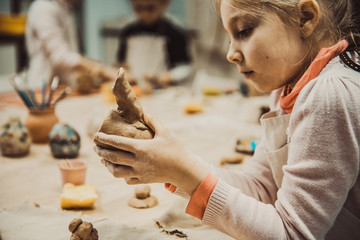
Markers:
72,171
14,138
64,141
39,123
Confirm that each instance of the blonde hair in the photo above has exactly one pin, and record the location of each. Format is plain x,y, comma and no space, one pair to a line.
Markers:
336,20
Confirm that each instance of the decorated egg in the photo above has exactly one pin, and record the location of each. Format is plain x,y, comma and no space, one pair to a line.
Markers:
14,139
64,141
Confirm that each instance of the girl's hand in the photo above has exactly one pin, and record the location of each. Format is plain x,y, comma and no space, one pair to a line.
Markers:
161,159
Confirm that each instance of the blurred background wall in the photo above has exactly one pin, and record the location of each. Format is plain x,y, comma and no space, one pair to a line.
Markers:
100,20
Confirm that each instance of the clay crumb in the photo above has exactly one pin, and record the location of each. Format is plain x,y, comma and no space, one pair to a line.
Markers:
175,232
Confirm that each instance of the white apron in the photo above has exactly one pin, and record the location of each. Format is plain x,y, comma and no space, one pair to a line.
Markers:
275,128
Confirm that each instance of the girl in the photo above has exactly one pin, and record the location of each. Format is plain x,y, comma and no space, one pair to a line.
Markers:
303,181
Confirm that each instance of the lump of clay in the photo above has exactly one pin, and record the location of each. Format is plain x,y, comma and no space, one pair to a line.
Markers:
128,119
14,138
82,230
84,83
142,198
142,191
64,141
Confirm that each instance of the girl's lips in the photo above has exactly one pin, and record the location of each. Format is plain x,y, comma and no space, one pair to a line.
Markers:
248,74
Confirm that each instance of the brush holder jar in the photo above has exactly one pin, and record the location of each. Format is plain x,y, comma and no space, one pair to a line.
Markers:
39,124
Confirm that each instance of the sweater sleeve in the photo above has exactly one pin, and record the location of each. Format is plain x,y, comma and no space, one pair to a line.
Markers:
324,132
200,198
256,180
44,17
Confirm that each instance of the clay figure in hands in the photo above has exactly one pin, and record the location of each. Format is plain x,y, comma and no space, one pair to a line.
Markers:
128,119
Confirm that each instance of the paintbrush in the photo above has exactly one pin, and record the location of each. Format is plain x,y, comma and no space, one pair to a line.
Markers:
43,94
53,86
23,98
20,84
64,93
20,89
29,91
33,97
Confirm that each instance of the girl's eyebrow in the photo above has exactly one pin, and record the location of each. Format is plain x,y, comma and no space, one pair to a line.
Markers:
246,18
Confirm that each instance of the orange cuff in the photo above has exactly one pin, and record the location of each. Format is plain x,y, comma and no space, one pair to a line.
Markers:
200,198
170,187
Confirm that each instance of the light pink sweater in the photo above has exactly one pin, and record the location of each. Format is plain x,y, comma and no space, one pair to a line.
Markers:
321,176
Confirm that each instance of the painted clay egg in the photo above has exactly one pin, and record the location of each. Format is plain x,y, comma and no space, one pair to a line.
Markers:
14,138
64,141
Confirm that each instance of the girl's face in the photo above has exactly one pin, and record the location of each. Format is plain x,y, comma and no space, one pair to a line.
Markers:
266,51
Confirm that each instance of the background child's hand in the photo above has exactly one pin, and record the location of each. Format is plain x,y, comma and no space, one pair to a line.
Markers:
164,79
151,78
108,73
161,159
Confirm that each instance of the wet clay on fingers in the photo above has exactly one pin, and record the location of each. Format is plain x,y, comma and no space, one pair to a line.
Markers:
128,119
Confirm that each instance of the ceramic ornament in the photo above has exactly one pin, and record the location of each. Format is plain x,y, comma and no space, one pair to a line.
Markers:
64,141
14,139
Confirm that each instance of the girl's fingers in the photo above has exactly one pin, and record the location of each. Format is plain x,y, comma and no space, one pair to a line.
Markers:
116,157
133,181
123,143
119,171
153,123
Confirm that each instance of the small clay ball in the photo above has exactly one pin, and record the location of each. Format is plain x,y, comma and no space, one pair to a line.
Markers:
74,237
142,191
84,230
94,234
74,224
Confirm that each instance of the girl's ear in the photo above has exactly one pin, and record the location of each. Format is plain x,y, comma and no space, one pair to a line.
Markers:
309,12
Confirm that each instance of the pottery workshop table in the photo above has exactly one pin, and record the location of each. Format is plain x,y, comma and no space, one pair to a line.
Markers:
211,134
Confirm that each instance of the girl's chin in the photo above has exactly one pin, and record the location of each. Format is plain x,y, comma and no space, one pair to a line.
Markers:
263,88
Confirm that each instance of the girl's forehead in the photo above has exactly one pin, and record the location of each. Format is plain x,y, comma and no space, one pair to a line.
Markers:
232,13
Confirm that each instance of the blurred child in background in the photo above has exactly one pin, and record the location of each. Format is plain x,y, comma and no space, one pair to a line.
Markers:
52,45
153,50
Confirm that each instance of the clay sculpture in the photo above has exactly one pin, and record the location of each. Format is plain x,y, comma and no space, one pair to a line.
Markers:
142,198
14,138
82,230
64,141
128,119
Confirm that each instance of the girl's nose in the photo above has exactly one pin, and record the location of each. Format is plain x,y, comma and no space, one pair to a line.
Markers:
234,55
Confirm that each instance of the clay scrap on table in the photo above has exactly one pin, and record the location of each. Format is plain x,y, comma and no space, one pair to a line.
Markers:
82,230
128,119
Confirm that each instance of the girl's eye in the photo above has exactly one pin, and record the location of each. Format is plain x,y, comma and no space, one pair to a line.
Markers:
243,34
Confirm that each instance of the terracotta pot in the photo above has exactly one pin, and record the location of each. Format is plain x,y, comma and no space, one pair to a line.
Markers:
39,124
72,171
